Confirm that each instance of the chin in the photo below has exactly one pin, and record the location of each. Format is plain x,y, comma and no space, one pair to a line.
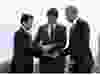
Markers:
70,20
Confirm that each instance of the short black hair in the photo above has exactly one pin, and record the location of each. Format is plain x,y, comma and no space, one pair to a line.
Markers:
52,12
25,17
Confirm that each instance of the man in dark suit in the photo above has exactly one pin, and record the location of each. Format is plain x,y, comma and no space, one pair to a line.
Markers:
51,39
23,60
79,42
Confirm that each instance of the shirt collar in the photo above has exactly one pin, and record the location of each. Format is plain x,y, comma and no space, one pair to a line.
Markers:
29,31
54,25
75,21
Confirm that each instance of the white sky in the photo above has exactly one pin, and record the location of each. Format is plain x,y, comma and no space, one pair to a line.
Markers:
9,21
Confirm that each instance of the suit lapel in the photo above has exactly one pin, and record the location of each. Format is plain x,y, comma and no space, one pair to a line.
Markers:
47,30
21,30
26,34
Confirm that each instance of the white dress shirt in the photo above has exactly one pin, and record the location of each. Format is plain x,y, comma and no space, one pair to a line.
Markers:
49,29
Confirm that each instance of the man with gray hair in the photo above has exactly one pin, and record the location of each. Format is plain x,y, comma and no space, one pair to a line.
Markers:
79,42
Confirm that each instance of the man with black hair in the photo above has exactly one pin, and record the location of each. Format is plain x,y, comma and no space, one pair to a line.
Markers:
51,39
23,60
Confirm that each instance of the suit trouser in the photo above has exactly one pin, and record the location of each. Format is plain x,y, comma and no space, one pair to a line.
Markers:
24,65
82,64
50,65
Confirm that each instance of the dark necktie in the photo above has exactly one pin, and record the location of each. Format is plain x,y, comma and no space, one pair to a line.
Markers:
52,33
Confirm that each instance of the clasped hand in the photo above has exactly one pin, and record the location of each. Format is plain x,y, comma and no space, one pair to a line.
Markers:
47,47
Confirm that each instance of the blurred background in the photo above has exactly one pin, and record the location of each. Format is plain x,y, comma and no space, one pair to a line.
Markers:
10,11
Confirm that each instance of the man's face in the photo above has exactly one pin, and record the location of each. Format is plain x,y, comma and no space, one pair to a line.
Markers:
51,19
28,24
71,14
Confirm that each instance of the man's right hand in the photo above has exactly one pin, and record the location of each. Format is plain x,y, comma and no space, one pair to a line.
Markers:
47,47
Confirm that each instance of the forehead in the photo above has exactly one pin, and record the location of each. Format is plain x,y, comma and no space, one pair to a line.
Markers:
52,16
30,19
72,9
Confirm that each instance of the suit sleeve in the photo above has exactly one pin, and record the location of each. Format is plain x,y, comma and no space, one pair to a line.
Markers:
61,43
36,49
15,41
18,45
37,39
85,36
86,33
15,44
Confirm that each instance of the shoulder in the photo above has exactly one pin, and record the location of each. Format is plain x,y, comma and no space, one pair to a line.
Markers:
19,32
60,26
82,21
43,26
84,24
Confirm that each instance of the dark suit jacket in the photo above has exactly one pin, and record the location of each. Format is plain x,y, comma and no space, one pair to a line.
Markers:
22,51
79,47
60,41
60,36
79,38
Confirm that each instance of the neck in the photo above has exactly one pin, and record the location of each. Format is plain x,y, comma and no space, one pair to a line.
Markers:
52,25
25,29
52,22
